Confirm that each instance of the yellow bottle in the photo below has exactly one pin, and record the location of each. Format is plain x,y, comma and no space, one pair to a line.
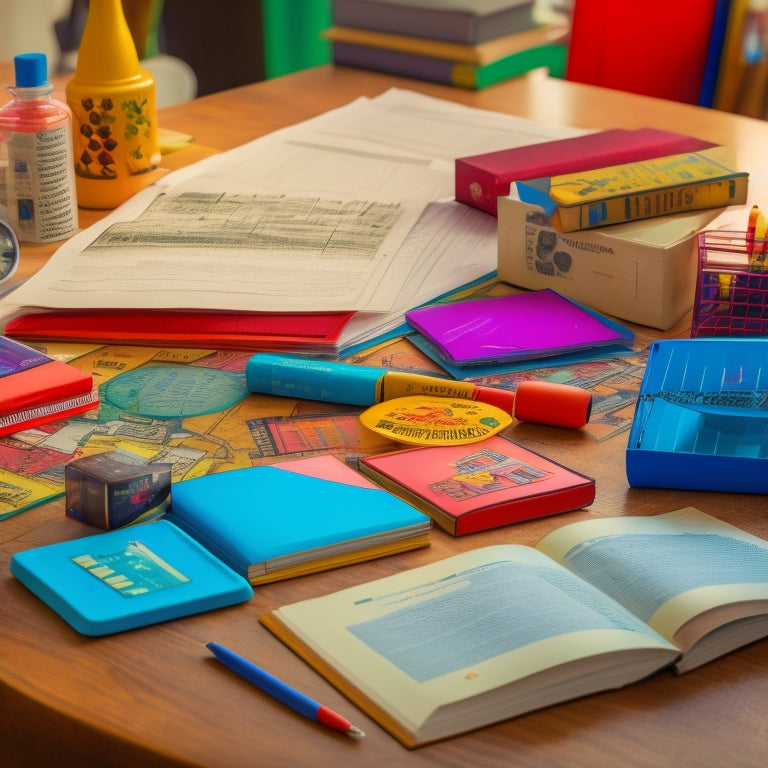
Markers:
114,109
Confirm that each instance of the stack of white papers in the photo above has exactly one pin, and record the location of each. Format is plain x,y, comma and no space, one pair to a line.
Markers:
350,211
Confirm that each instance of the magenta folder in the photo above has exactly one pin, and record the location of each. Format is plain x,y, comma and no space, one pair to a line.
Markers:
519,327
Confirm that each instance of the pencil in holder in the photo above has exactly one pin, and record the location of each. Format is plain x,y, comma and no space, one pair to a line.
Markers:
731,286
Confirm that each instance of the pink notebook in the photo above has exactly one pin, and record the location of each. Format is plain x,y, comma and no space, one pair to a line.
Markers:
519,327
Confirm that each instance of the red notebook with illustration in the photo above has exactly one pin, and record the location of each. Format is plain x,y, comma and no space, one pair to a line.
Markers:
469,488
35,388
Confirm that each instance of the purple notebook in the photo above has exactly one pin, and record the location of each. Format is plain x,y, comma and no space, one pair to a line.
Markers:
518,327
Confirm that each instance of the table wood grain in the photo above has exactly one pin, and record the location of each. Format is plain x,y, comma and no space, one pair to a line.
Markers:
156,697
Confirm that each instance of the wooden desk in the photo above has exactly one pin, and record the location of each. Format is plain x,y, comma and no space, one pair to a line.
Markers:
154,697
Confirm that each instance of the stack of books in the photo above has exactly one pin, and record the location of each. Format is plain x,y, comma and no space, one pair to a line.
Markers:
608,219
465,43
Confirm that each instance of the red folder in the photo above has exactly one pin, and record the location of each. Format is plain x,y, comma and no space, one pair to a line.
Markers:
172,328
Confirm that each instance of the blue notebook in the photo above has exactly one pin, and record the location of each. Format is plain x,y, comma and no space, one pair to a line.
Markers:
295,517
128,578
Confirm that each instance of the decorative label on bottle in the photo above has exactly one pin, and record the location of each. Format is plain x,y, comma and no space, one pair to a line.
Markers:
114,139
113,103
36,149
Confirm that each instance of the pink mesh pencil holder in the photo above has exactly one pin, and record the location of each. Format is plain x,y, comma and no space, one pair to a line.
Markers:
731,286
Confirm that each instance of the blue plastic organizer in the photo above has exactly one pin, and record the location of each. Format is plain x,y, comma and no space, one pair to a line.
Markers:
701,419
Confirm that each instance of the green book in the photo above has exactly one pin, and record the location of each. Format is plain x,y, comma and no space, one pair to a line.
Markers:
463,74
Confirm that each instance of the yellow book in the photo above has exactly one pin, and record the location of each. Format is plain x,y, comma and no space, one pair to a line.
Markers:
691,181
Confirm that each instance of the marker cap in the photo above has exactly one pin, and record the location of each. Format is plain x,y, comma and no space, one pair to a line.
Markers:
546,402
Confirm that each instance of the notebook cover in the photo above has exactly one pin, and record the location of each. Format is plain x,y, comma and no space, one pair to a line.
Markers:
470,488
251,517
128,578
516,327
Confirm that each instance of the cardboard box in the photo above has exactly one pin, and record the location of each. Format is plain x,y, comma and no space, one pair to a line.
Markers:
643,271
107,492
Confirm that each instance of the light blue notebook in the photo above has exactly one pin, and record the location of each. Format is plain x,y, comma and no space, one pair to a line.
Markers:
128,578
295,517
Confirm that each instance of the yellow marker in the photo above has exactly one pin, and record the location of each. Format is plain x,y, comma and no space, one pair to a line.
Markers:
756,245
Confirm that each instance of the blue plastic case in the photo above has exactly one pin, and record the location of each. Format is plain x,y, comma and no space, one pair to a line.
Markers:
129,577
701,420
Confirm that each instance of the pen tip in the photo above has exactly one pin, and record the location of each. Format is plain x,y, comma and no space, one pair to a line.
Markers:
355,732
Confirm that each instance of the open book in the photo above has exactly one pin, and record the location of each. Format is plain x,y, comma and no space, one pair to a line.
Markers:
499,631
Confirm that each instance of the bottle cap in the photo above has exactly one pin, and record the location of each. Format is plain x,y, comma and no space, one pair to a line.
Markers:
31,70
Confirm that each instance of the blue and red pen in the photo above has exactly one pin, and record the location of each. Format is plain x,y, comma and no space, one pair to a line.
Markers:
282,692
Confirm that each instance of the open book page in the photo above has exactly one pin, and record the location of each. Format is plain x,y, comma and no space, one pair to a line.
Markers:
685,573
467,627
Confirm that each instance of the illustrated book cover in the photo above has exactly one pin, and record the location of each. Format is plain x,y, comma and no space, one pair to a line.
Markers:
520,326
128,578
295,517
499,631
36,388
469,488
690,181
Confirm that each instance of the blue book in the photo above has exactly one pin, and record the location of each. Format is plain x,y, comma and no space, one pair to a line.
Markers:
128,578
295,517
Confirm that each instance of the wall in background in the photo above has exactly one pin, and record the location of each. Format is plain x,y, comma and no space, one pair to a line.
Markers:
26,26
292,35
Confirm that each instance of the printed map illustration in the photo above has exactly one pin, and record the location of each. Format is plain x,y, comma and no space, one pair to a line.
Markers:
191,408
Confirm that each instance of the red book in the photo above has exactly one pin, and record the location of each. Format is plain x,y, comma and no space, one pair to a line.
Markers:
480,179
35,388
469,488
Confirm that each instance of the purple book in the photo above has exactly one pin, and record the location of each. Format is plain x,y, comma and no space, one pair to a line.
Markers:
517,327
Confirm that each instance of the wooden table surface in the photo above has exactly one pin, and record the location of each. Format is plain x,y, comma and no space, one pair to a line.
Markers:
154,697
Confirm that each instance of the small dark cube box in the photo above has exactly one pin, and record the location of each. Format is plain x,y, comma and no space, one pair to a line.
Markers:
105,491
